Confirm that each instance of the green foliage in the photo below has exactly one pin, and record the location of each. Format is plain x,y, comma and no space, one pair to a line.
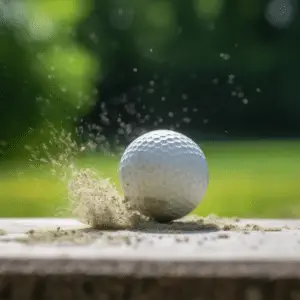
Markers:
45,74
52,52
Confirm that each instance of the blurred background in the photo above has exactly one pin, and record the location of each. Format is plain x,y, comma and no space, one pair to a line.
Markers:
224,72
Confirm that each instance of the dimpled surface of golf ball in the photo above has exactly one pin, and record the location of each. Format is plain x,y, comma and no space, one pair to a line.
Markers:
164,174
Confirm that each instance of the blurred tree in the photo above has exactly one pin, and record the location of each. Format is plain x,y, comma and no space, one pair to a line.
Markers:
46,75
217,66
214,66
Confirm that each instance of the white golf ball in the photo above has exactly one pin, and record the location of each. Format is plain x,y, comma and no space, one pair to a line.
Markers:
164,174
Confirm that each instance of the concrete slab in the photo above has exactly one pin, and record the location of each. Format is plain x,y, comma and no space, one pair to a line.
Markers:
192,258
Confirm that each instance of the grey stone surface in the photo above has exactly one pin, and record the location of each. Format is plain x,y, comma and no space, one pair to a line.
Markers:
80,263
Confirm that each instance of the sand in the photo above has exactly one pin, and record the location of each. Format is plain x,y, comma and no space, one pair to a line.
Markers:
96,202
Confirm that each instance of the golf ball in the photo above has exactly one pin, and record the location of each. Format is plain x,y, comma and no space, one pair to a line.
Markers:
164,174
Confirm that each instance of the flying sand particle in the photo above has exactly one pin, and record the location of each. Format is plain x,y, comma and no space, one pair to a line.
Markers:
96,202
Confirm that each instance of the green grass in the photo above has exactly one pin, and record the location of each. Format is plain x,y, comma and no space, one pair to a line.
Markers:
247,179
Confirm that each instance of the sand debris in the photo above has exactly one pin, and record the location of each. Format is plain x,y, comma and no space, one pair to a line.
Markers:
95,201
